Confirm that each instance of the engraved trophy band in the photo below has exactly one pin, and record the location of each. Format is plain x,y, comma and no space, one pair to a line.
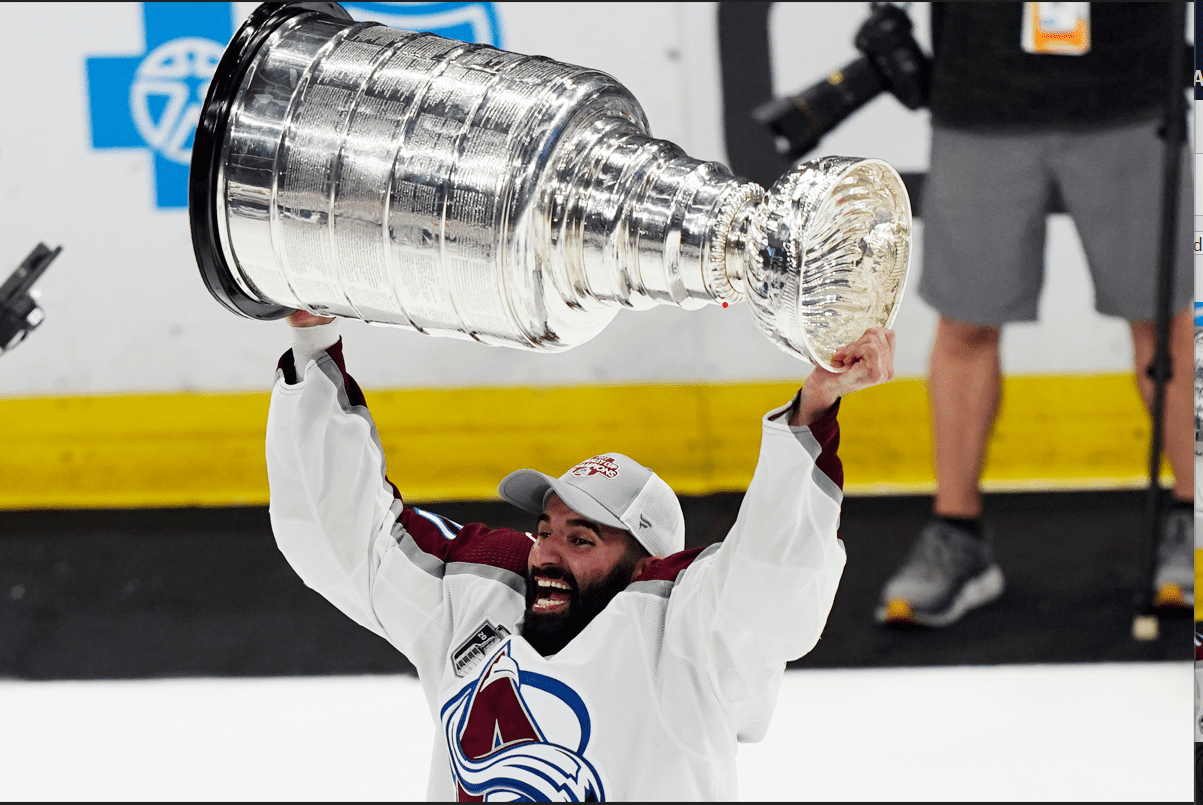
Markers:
352,169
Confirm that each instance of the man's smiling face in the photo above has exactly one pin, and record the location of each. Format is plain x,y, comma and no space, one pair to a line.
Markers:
575,567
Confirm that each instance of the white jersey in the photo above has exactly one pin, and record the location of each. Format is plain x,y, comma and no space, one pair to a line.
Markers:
649,701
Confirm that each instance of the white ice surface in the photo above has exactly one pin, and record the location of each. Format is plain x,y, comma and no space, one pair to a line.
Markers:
1053,732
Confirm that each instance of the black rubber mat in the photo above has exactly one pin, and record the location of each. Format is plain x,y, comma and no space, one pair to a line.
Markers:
183,592
1070,563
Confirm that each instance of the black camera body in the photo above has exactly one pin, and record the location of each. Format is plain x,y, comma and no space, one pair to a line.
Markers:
19,311
892,61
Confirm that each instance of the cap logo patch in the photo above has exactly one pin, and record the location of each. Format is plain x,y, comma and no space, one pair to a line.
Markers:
598,465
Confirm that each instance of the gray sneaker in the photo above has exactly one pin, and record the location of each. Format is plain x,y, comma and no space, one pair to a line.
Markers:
947,573
1174,580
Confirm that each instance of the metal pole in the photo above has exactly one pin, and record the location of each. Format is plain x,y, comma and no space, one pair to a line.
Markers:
1144,623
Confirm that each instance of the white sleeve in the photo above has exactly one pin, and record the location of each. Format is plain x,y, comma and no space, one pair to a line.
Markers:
332,509
308,343
761,598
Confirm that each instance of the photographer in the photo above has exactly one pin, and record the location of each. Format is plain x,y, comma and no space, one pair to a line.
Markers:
1026,99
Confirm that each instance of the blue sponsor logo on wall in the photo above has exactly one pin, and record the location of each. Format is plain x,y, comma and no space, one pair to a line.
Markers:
152,100
467,22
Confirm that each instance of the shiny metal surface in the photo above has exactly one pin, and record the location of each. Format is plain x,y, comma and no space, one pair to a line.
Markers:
834,255
465,191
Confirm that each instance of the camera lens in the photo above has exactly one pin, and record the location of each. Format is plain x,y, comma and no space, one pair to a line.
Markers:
803,119
892,61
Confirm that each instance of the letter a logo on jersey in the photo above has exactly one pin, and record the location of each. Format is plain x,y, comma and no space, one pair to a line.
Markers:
499,753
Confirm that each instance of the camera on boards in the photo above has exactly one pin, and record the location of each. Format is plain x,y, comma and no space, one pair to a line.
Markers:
19,311
892,61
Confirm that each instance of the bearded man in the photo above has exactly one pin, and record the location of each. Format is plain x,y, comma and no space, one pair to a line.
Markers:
596,659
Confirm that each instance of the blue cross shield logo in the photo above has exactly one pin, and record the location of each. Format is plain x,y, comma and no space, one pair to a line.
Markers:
153,100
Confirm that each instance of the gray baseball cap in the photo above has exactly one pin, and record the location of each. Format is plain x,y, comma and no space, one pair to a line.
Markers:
610,489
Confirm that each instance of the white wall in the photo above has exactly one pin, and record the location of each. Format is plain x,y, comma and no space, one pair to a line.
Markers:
127,311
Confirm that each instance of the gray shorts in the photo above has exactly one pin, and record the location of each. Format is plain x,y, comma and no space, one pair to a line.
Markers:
984,211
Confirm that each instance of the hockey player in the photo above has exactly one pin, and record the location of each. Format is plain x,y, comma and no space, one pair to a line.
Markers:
597,659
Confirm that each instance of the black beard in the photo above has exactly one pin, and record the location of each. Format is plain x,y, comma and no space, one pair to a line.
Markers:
548,634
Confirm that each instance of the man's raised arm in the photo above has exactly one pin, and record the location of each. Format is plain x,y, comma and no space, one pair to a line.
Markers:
329,496
762,598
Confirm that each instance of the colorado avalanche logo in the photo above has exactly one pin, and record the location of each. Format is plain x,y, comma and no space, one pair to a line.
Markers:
498,751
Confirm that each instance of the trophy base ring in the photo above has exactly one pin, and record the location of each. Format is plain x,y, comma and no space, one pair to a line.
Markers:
217,274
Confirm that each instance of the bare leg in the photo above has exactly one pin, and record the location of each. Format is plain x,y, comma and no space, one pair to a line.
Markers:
1179,431
950,569
964,385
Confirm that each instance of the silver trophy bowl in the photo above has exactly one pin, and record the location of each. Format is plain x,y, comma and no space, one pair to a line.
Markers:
351,169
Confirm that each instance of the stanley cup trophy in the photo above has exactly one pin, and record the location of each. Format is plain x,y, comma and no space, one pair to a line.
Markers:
351,169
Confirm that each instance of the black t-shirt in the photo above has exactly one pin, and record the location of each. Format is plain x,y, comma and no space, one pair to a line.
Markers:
982,78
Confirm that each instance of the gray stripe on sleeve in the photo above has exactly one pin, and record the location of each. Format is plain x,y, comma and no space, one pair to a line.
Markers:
424,561
710,550
811,445
329,368
660,587
507,577
808,441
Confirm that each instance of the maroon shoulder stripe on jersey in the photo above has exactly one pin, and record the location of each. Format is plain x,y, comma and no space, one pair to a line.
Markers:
667,568
826,430
475,543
